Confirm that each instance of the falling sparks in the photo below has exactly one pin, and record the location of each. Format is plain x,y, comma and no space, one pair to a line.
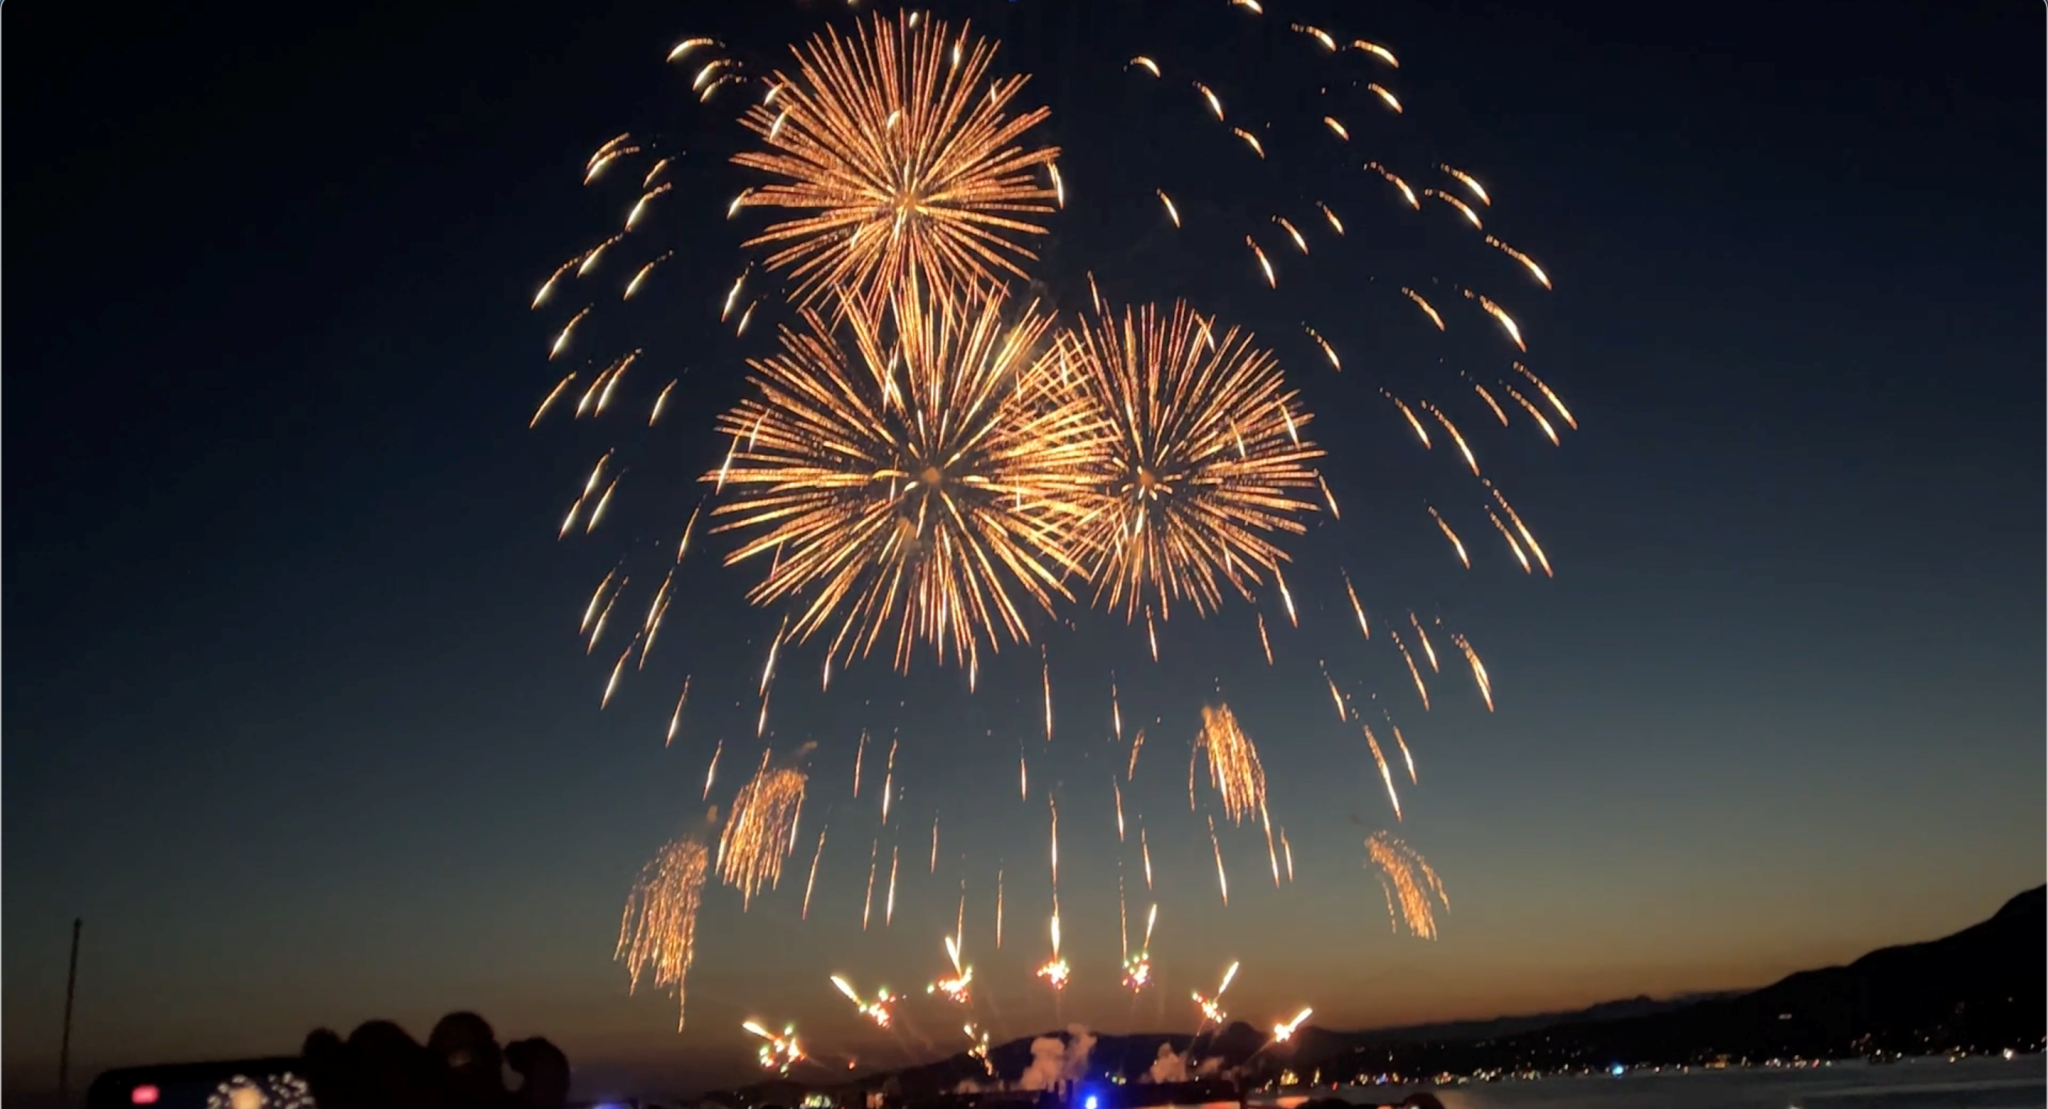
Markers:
1059,187
954,988
1336,128
1137,745
640,208
934,868
1549,432
1377,51
1118,792
1215,105
1265,642
1507,322
1386,776
1357,609
1393,178
1287,852
1409,413
1467,180
1284,1031
1222,881
1302,245
658,931
1516,517
1336,224
1146,64
676,718
659,402
711,771
1512,545
1145,852
562,340
1464,209
1250,140
1172,213
1407,758
760,831
1423,636
1478,670
880,1010
1384,95
778,1052
811,883
1410,883
548,286
1286,598
889,778
1421,690
1234,768
1563,412
1427,308
1046,674
1527,262
1264,266
889,904
868,902
1315,33
1457,544
1457,439
550,399
1490,403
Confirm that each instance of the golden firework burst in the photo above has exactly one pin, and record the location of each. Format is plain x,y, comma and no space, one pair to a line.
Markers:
918,480
761,831
897,147
1410,883
1205,464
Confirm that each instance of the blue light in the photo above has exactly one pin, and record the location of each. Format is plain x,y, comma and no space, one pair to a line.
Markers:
1616,1070
1091,1102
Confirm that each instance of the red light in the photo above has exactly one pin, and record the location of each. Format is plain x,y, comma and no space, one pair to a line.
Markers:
143,1095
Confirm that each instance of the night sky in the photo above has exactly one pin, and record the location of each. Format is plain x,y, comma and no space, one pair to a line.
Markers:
297,719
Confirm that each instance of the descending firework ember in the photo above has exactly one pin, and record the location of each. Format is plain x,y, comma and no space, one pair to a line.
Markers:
1527,262
1055,971
658,931
1409,882
916,483
1562,411
1202,468
761,831
1212,1007
1478,670
1386,776
778,1052
1234,769
880,1010
1456,543
902,165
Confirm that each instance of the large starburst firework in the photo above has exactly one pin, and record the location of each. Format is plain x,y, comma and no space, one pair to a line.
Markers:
916,481
1206,465
896,146
658,931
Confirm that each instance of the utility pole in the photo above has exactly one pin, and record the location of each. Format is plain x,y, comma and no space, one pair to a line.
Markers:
70,992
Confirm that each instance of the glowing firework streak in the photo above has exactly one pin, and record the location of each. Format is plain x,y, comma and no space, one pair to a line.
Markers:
676,718
1288,852
640,209
1055,971
778,1052
1407,193
1490,403
1426,648
1406,757
1336,698
1145,852
1357,609
1265,266
1409,413
877,1010
889,905
1286,598
658,931
659,402
1145,63
1222,881
1512,545
1410,883
1377,51
1420,689
999,908
549,400
1137,745
1467,180
548,286
1265,642
1478,670
953,989
1118,791
562,340
812,882
889,778
1315,33
1562,411
868,902
1046,674
1427,309
1464,209
1527,262
1521,527
1215,105
1507,322
1386,776
1336,224
1172,212
1250,140
1456,543
1336,128
1385,96
1285,1031
1549,432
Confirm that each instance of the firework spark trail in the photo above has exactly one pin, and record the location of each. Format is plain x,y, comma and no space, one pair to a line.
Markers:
676,718
1287,852
879,1010
1527,262
1407,758
1500,314
612,686
1385,96
759,833
1046,674
860,750
549,400
935,845
1512,545
1412,884
1423,636
1478,670
1172,212
1145,63
889,905
1453,537
711,771
1137,745
1265,267
1250,140
1215,105
1272,857
1427,308
1145,852
1151,633
1336,698
812,882
868,902
1299,242
1521,527
1055,807
1357,609
1386,775
1222,882
778,1052
658,930
1118,792
1549,432
1562,411
1234,768
955,988
1421,690
1023,779
897,165
999,908
1284,1031
889,778
1491,403
1463,209
1265,642
1409,414
1198,469
1116,712
1378,51
916,483
1394,179
1336,128
1457,439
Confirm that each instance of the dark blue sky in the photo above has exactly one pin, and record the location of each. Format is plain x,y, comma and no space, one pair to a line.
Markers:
296,718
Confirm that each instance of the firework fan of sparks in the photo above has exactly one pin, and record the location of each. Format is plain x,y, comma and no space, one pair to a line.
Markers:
920,480
1410,883
1234,767
1206,462
658,932
761,832
897,146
